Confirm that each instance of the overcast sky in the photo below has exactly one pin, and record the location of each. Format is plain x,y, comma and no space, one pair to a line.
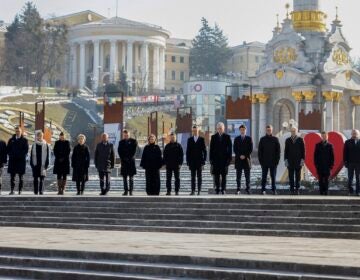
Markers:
242,20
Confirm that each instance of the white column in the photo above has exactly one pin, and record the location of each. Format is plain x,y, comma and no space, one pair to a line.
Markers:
329,116
82,65
96,65
254,129
102,50
336,115
145,66
74,73
136,58
129,68
123,56
113,59
156,67
357,117
162,68
263,98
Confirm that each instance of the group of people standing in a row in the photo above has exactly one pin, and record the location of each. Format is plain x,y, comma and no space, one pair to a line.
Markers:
220,157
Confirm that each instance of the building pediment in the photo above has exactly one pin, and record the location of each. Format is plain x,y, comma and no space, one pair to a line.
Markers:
282,77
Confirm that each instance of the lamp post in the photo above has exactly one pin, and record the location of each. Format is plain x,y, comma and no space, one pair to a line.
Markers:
33,74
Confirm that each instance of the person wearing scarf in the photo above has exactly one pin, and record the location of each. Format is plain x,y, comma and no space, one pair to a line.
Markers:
39,162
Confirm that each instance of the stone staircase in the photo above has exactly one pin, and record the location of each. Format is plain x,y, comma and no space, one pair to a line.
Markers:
245,215
58,265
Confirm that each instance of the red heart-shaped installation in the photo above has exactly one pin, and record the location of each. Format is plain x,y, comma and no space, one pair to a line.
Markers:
335,138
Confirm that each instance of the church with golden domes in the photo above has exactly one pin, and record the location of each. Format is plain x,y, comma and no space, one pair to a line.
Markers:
307,78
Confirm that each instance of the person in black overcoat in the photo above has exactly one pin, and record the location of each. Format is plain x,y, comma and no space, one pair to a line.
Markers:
196,157
352,160
220,157
62,150
243,147
3,160
269,157
294,157
17,149
104,162
126,151
173,160
152,161
324,162
80,162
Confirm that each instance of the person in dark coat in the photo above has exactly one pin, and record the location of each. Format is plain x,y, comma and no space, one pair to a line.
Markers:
352,160
196,157
243,147
294,157
173,160
80,162
220,157
324,162
62,152
104,162
3,160
39,162
269,157
17,150
152,161
126,151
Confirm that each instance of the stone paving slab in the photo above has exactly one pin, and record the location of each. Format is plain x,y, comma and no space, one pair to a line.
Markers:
336,252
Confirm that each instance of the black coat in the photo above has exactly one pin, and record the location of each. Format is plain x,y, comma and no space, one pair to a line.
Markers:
243,148
324,158
220,153
351,152
173,155
17,150
151,157
62,151
196,153
269,151
294,152
3,154
126,152
104,157
80,162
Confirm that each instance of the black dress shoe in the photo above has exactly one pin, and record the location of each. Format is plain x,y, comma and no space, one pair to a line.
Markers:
125,193
274,192
176,193
223,192
199,192
130,193
192,193
247,191
11,193
168,193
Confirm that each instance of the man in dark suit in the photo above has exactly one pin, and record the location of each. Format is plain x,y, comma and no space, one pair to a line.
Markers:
294,157
352,160
220,157
269,157
324,162
243,147
196,158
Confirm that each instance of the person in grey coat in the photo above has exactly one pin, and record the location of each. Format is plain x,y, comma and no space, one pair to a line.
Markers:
104,162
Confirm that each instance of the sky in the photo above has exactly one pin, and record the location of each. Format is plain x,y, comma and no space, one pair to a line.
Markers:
241,20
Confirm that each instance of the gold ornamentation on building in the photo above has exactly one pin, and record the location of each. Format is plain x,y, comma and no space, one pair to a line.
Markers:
348,75
285,55
280,74
356,100
332,96
337,96
298,96
262,97
253,99
309,95
340,57
309,21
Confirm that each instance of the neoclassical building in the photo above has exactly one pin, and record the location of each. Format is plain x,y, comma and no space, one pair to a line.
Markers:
307,75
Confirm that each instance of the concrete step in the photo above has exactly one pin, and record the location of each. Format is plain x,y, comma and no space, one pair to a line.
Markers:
43,264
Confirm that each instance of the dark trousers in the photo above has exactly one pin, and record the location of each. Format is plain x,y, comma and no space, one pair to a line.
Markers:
152,181
324,183
131,183
104,181
247,177
61,176
354,168
294,178
38,185
265,170
217,176
80,186
12,181
169,173
196,172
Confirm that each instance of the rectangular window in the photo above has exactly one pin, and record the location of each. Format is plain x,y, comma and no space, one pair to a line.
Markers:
173,75
182,76
182,59
173,58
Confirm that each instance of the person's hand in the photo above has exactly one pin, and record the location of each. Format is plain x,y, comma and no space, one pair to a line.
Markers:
242,157
346,164
302,162
286,163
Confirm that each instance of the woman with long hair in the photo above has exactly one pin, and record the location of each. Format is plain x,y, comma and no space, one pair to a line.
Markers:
80,162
